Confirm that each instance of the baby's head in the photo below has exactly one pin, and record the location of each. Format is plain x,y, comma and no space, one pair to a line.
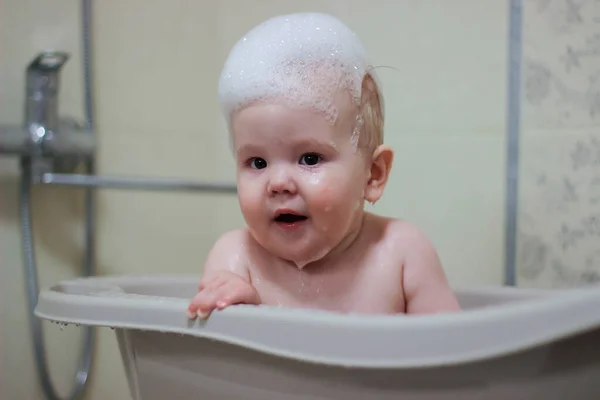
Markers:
305,117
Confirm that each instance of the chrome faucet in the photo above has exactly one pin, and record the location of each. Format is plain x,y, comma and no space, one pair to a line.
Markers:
53,147
42,87
49,143
57,145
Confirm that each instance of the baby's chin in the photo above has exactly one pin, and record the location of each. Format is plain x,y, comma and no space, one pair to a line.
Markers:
312,250
305,258
298,257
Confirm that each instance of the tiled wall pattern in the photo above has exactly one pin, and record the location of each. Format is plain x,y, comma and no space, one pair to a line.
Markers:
559,204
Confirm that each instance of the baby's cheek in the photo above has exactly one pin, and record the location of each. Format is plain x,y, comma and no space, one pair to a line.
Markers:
331,190
249,199
325,191
332,196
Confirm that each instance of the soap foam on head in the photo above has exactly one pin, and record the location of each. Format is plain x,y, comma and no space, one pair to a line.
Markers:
299,60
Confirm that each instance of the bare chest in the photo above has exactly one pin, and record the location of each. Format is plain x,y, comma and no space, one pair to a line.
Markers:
367,285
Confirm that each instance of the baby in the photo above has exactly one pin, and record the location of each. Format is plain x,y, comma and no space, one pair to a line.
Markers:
305,117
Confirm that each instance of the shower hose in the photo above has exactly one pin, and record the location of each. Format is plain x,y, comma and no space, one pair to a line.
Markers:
83,370
33,289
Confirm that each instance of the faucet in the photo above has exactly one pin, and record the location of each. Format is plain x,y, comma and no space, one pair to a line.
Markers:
50,143
42,87
53,147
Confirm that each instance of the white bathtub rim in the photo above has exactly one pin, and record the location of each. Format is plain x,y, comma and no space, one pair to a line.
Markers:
572,311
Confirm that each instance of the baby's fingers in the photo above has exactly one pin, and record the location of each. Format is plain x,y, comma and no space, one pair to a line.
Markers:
235,293
221,294
202,304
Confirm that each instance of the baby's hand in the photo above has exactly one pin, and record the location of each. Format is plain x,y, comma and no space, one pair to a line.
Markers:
220,290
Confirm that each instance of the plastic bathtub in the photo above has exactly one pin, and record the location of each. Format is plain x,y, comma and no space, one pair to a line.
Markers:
508,343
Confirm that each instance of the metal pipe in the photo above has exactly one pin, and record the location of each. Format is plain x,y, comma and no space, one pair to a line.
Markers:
130,183
40,135
15,140
513,125
67,142
32,285
88,84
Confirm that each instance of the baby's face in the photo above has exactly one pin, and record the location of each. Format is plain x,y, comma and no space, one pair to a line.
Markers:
300,179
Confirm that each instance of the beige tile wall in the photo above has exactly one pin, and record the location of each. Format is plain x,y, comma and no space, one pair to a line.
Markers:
156,68
559,217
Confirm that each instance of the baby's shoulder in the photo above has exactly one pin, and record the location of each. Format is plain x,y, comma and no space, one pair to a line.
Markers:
229,251
235,241
399,239
233,236
399,232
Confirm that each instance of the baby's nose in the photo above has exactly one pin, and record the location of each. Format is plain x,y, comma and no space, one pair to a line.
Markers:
282,182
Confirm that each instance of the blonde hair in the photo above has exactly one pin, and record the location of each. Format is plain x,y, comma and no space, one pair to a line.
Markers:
371,113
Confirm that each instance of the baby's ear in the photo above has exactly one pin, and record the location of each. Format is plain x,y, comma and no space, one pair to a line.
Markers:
381,165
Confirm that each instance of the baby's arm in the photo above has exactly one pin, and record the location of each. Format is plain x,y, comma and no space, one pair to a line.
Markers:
226,279
426,288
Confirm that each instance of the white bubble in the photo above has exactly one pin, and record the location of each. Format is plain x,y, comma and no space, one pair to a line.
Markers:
299,60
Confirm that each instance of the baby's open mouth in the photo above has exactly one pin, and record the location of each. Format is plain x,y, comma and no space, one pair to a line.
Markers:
290,218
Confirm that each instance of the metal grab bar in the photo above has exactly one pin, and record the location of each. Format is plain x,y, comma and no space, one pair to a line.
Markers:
131,183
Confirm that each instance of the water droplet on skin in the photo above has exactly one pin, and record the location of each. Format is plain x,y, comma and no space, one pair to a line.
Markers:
234,262
319,286
315,179
301,288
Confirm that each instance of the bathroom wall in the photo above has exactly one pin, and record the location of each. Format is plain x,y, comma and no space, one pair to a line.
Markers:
559,202
156,67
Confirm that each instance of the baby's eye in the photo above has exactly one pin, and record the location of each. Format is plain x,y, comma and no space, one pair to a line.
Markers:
258,163
310,159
